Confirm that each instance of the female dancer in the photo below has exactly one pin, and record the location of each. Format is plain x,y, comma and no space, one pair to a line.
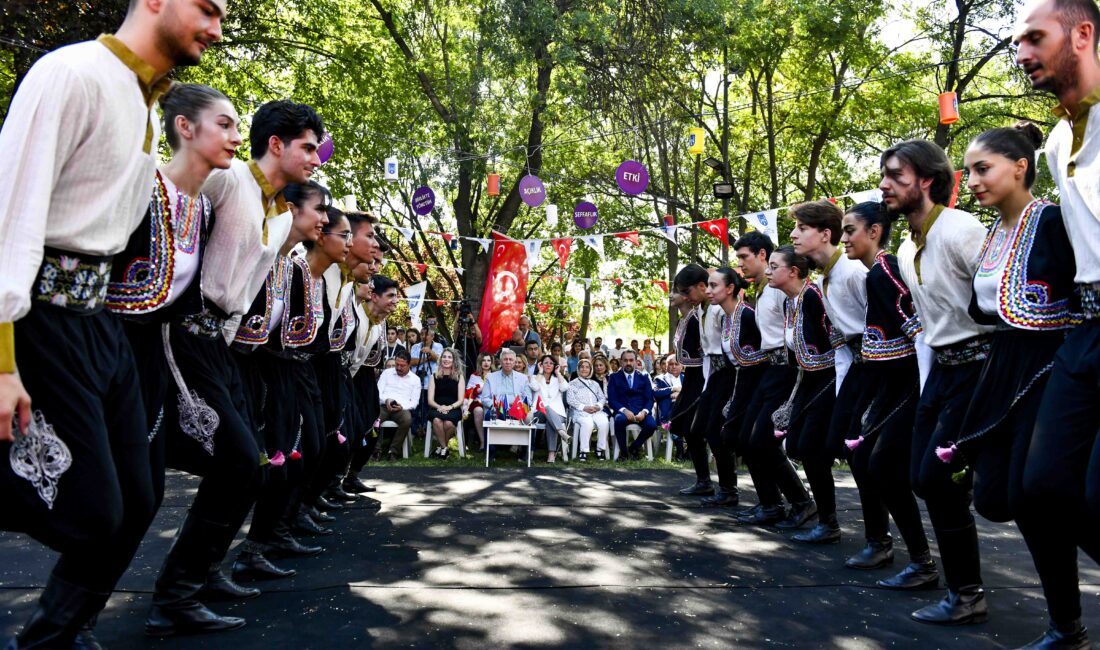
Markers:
880,448
804,419
587,399
446,387
1025,285
690,291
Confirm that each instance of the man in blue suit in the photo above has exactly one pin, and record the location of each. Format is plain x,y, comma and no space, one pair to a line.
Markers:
630,396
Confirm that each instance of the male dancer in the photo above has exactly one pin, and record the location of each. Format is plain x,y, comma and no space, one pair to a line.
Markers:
251,226
937,262
1057,42
81,141
844,284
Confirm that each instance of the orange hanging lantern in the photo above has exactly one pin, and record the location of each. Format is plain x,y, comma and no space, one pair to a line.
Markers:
494,184
949,108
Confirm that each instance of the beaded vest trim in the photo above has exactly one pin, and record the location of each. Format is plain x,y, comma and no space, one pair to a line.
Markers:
745,355
876,347
302,330
808,356
256,329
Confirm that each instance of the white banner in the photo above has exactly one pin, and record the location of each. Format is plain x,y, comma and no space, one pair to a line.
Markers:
533,246
595,242
415,296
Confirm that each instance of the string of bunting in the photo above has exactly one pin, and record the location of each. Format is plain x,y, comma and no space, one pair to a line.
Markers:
541,306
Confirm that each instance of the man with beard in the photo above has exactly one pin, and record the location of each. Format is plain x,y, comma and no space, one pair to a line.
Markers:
81,141
937,262
1056,42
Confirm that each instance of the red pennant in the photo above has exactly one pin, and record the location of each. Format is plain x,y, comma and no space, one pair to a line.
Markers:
543,307
505,291
716,227
562,247
618,281
440,303
597,304
447,237
423,268
651,306
832,199
662,284
517,410
631,237
559,278
955,190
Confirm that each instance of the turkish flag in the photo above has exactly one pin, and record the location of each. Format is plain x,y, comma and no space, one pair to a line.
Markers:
716,227
543,307
440,303
631,237
517,410
539,406
955,190
505,292
561,247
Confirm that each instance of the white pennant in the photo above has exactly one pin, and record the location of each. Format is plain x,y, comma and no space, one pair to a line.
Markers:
669,233
766,222
485,243
595,242
407,233
415,296
533,247
867,195
585,281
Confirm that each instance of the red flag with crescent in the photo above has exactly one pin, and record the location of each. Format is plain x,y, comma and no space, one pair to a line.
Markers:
562,247
631,237
716,227
543,307
505,292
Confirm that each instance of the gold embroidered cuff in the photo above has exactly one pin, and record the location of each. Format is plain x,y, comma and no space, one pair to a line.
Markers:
7,348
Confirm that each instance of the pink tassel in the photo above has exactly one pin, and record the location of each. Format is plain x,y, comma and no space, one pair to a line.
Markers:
947,454
852,444
666,426
780,434
341,437
278,459
295,455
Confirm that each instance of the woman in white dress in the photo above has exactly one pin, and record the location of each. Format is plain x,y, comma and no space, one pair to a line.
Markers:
587,400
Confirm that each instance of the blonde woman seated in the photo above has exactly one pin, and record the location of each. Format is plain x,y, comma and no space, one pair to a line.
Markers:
446,390
550,385
587,399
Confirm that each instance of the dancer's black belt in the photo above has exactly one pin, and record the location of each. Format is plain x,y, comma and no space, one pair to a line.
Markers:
968,351
73,281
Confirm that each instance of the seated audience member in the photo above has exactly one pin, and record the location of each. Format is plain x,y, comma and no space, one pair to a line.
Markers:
517,339
506,384
601,370
617,351
647,355
630,395
475,387
528,332
615,365
668,386
432,323
587,402
547,388
392,343
598,347
523,366
532,351
412,337
574,356
399,394
446,390
389,364
659,366
555,349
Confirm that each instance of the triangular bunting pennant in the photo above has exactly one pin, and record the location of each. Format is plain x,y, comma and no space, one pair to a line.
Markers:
631,237
617,281
562,248
447,237
662,284
867,195
484,243
533,246
440,303
543,307
717,228
595,242
422,268
585,281
407,233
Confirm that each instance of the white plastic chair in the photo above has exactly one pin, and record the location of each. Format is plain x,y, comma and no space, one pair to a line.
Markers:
458,435
406,445
632,432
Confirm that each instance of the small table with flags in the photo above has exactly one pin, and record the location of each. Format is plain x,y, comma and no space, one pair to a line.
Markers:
507,432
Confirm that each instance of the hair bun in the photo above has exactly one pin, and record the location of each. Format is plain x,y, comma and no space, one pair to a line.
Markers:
1030,131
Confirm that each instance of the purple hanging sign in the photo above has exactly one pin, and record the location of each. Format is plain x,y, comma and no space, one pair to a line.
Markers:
325,149
632,177
423,200
531,190
585,214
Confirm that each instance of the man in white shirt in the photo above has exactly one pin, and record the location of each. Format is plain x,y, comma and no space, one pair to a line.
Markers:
617,351
1056,44
399,394
598,347
937,262
81,140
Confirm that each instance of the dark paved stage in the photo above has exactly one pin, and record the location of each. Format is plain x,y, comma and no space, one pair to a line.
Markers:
562,557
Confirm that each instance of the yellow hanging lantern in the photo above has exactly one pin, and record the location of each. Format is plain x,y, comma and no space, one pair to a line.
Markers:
696,141
494,184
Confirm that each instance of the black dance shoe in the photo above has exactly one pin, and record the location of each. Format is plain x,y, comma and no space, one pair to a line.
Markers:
963,607
827,531
85,637
317,515
799,515
701,488
253,565
324,504
191,617
1072,636
287,546
353,485
763,516
875,555
219,587
722,498
338,494
916,576
305,525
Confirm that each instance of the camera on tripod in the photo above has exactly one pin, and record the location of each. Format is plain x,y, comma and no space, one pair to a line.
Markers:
465,314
